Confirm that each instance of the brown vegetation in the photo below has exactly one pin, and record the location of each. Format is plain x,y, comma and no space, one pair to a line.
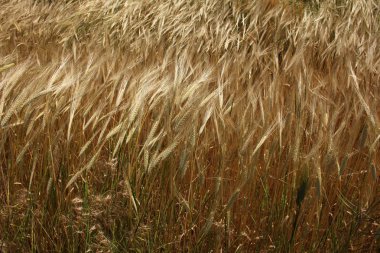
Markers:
229,126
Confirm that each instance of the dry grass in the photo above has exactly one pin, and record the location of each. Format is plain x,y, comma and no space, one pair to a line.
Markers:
200,126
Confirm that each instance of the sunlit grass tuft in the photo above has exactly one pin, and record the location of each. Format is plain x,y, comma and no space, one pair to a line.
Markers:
201,126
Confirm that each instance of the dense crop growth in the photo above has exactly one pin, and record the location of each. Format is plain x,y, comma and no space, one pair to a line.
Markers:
177,126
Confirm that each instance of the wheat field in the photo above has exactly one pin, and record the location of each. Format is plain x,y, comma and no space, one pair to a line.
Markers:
189,126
